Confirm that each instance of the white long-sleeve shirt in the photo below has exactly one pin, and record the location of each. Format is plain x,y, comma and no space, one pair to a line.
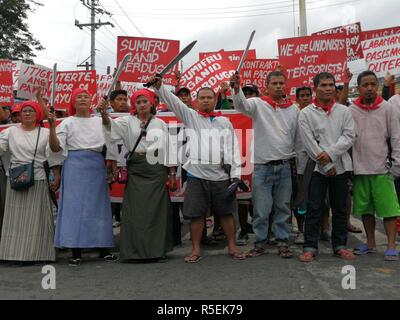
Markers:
375,129
275,130
334,134
155,144
20,144
76,133
210,141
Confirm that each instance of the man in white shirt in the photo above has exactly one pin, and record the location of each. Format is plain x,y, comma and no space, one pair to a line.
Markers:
327,131
275,136
207,179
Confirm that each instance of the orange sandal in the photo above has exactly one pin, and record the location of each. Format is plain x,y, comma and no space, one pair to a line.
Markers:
307,257
345,254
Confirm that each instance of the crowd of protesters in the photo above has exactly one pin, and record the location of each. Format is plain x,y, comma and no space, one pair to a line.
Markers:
318,156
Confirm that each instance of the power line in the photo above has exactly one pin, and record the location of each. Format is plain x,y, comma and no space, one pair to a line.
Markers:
202,9
169,17
141,33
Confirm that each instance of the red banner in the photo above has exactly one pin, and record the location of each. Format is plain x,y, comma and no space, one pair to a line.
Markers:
209,72
234,56
149,56
303,58
372,34
68,81
6,83
255,72
353,34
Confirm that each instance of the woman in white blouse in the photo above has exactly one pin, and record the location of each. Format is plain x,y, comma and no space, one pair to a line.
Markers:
146,224
28,228
84,215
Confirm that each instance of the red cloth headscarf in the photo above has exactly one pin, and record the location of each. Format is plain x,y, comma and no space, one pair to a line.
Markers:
16,109
327,109
146,93
75,93
377,103
38,110
286,104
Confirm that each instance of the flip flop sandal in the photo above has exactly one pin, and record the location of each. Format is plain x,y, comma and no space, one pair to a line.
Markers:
238,256
307,257
363,249
255,252
193,258
353,229
345,254
391,255
285,253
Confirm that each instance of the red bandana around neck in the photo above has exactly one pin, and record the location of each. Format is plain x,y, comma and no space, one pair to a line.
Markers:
286,103
377,103
210,114
327,109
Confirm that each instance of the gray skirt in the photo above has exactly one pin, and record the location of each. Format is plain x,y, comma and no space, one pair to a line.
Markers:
28,225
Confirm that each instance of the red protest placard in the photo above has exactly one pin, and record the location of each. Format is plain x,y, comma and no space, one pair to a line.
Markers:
6,83
209,72
234,56
372,34
68,81
32,77
353,34
255,72
304,57
149,56
382,55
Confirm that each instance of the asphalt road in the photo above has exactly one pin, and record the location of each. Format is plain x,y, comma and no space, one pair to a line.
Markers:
216,277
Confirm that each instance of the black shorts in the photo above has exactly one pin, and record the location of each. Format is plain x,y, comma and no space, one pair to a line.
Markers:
202,195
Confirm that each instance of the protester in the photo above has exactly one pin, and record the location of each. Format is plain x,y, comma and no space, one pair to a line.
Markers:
84,215
378,130
119,104
28,227
146,229
275,136
5,115
207,178
327,131
15,114
389,87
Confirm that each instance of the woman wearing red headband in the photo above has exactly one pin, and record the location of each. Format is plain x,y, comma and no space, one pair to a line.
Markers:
28,228
146,229
84,215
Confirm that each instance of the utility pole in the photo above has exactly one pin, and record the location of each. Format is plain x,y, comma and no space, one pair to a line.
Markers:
303,18
92,5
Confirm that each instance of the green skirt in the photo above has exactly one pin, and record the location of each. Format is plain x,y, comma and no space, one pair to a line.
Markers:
146,222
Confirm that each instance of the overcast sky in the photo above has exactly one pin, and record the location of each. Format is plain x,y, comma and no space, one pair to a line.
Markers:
216,25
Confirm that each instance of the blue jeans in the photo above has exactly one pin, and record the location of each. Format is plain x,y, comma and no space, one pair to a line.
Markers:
272,186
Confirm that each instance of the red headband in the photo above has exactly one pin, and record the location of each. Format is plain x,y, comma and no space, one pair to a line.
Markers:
75,93
38,110
146,93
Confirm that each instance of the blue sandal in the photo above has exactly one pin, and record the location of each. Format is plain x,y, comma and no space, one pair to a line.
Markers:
363,249
391,255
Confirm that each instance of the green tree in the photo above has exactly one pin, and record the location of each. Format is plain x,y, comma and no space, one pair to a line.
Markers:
16,41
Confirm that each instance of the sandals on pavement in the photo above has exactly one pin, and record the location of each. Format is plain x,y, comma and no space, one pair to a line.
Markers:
345,254
285,253
194,258
238,256
391,255
307,257
353,229
363,249
255,252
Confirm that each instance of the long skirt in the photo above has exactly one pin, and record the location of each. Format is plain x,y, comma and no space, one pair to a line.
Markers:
84,217
28,226
146,224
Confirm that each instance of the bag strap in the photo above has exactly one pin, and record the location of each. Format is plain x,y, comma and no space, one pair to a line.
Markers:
37,143
139,138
